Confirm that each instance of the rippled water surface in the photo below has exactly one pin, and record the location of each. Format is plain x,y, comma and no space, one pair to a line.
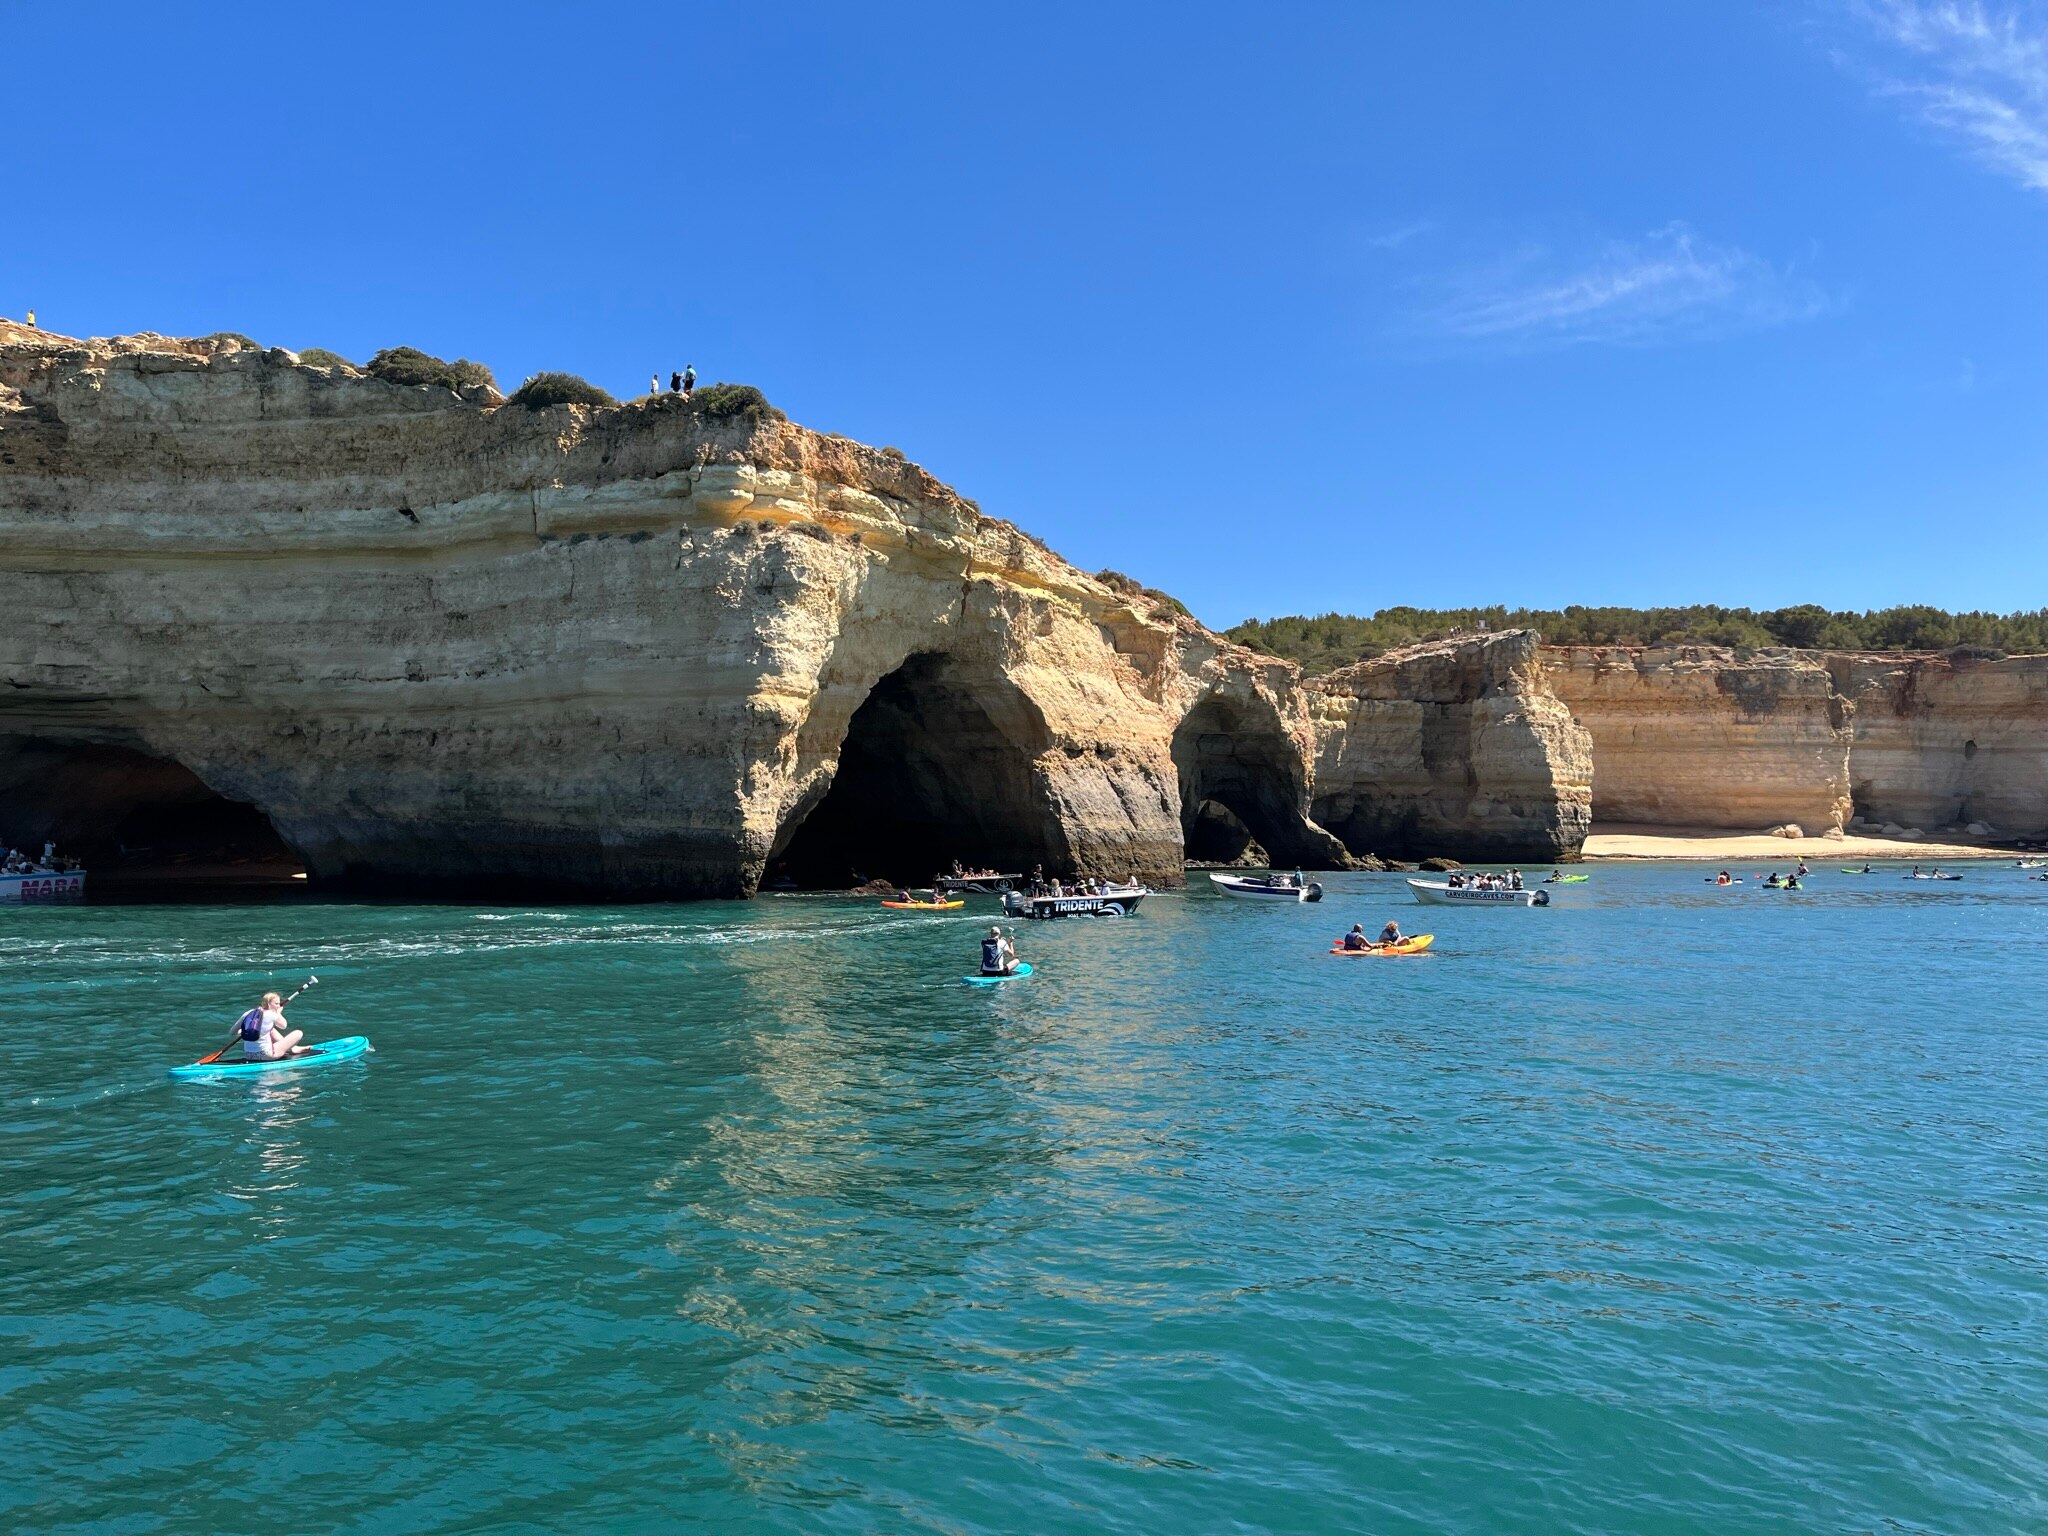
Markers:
1668,1209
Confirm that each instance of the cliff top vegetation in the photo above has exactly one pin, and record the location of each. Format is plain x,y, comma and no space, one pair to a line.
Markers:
546,389
1331,640
727,402
409,365
1128,586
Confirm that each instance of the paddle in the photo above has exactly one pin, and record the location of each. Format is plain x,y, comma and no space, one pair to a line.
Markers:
310,981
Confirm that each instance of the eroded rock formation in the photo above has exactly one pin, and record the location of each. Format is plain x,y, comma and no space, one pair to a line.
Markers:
1702,736
1453,747
439,642
1948,740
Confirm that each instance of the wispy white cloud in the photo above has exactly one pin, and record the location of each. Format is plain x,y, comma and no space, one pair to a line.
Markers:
1669,286
1398,235
1978,72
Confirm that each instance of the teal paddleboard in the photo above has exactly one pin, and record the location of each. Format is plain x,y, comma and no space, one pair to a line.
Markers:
326,1054
1023,970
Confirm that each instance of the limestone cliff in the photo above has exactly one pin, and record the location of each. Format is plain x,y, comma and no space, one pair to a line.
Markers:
1948,740
1451,747
1702,736
436,640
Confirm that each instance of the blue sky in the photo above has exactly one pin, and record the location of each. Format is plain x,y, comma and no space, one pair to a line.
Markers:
1282,308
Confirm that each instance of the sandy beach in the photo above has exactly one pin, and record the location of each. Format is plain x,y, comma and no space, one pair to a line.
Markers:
1622,841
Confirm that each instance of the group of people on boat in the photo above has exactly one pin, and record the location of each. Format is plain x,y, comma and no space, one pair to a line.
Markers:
18,863
1356,939
1080,885
1511,881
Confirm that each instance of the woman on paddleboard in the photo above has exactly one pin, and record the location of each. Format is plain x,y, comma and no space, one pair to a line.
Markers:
265,1034
998,954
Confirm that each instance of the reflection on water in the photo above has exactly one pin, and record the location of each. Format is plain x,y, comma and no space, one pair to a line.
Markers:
276,1115
752,1217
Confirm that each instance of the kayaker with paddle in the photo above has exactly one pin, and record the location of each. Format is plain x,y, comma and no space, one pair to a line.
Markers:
265,1034
1389,935
1356,938
998,954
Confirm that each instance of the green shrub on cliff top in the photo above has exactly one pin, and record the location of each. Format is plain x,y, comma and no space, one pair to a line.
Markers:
735,402
546,389
1331,640
1128,586
320,357
409,365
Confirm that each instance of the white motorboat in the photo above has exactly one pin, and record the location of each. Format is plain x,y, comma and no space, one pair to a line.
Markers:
39,885
1110,901
1269,887
1441,893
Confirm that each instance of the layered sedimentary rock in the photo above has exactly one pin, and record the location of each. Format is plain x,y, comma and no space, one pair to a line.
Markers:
1703,736
436,640
1948,740
1453,747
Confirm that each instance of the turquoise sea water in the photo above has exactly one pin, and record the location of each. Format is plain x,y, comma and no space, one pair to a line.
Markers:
1668,1209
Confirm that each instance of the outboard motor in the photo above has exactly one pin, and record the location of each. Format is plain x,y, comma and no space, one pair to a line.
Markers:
1542,899
1314,891
1015,905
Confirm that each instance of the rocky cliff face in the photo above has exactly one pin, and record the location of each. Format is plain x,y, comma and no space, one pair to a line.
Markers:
1946,741
1701,736
440,642
1453,747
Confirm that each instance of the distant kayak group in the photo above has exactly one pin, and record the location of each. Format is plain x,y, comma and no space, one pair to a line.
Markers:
263,1039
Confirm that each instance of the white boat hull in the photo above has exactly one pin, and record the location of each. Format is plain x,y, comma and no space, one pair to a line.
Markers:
1117,901
1439,893
41,886
1238,885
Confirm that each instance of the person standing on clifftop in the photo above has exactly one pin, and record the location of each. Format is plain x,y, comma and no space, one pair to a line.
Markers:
31,319
675,383
654,384
689,380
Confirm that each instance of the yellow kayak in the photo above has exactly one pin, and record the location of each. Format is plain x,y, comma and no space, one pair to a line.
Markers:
924,906
1414,944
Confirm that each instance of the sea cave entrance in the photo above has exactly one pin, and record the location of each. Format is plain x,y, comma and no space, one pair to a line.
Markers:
939,763
143,826
1240,783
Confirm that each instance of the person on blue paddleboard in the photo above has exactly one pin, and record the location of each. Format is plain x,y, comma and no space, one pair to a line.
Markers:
265,1034
998,954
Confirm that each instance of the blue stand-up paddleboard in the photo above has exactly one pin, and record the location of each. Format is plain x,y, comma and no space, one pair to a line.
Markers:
326,1054
1023,970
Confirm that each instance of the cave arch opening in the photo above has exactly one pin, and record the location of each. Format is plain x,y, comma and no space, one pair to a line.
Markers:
142,824
940,762
1241,782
